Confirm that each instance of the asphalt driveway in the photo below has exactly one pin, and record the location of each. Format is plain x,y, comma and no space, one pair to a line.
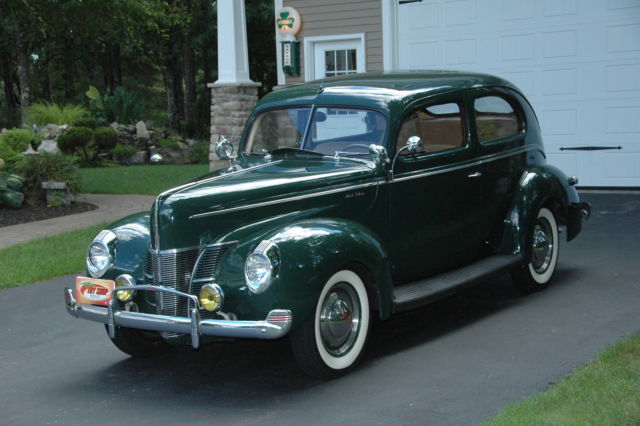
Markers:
456,362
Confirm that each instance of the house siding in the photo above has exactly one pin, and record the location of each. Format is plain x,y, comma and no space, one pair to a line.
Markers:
336,17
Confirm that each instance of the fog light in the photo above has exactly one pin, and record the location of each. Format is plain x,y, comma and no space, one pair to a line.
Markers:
211,297
125,280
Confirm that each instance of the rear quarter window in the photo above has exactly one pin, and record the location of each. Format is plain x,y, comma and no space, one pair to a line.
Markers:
495,118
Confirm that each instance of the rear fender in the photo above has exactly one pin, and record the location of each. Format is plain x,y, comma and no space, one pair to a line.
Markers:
539,186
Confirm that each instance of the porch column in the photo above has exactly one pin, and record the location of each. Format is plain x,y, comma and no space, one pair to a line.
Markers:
233,95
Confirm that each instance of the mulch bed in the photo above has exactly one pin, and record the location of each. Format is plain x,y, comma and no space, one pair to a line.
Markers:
28,213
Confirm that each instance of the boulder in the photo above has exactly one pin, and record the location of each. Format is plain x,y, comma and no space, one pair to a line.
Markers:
1,163
49,146
50,131
141,130
139,157
29,151
182,145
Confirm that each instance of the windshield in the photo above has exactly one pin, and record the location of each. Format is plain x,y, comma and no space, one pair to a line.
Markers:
329,131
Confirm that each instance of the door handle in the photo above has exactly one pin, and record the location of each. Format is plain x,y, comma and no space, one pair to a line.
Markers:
474,175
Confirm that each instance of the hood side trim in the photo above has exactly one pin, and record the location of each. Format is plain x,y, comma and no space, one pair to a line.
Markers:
284,200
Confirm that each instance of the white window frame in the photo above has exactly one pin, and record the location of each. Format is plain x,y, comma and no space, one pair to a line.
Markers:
312,43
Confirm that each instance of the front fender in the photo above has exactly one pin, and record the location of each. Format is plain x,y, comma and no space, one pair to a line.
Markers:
133,239
311,251
539,186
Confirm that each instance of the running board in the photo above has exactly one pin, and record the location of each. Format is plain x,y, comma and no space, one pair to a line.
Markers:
420,293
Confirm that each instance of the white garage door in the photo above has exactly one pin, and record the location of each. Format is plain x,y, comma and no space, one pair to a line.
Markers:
577,61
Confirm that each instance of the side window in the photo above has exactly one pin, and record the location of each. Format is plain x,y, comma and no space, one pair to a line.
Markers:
495,118
439,126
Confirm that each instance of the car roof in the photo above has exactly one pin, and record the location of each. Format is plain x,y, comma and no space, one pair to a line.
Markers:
384,91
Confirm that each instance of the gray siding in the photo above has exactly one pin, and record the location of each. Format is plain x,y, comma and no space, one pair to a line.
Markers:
335,17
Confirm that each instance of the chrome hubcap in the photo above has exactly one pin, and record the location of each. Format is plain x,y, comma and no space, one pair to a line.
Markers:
339,319
543,246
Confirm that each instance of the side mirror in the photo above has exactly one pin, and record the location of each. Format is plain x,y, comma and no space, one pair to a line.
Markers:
224,149
414,144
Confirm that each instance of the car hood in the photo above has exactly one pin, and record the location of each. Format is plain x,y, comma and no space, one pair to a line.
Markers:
206,210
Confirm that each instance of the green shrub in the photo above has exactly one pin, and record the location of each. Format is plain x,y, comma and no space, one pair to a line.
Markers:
46,113
89,122
168,143
76,139
17,140
10,186
123,151
199,152
105,138
43,168
122,106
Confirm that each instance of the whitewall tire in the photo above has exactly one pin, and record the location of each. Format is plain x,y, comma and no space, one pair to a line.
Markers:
332,341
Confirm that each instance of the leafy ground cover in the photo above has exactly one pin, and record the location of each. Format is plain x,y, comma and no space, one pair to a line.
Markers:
150,180
604,392
45,258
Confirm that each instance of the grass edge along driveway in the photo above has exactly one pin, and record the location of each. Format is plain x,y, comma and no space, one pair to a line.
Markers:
46,258
606,391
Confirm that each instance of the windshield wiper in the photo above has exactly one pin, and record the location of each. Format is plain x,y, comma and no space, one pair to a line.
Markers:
296,152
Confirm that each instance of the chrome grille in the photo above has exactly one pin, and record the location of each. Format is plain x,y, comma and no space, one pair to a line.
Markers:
175,269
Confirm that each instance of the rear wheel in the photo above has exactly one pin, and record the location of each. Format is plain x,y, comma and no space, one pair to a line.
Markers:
332,341
545,247
139,343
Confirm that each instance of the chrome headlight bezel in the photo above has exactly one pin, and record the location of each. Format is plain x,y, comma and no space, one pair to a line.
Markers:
104,246
262,266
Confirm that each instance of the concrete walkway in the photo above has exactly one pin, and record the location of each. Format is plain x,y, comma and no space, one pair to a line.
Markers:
110,208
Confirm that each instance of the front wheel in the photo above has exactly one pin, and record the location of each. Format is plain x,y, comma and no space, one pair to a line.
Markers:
331,342
545,247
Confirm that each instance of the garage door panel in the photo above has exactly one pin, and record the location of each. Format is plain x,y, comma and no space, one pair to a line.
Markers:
578,62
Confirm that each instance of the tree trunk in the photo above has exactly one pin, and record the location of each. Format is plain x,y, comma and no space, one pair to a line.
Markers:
189,87
12,100
24,79
172,107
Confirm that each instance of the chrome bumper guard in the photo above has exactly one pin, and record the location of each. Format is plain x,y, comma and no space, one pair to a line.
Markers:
276,325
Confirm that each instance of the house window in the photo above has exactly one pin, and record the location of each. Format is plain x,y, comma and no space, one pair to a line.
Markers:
330,56
340,62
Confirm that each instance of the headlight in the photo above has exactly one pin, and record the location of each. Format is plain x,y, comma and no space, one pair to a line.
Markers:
101,253
261,266
125,280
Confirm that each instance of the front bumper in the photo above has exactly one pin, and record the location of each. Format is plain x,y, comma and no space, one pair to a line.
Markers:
276,325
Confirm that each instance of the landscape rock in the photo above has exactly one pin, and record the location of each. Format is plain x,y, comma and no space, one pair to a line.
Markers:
141,130
49,146
1,163
139,157
182,145
50,131
29,150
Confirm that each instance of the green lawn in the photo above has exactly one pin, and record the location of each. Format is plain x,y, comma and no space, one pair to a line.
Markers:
45,258
150,180
604,392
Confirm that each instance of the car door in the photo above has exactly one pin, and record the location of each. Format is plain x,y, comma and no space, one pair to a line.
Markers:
435,195
500,131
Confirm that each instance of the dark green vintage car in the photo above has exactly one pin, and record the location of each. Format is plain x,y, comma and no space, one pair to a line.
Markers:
350,197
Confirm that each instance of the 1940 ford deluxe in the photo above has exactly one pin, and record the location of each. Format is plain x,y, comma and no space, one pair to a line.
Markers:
350,197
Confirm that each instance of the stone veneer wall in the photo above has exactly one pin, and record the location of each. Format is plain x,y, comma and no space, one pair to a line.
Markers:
230,108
